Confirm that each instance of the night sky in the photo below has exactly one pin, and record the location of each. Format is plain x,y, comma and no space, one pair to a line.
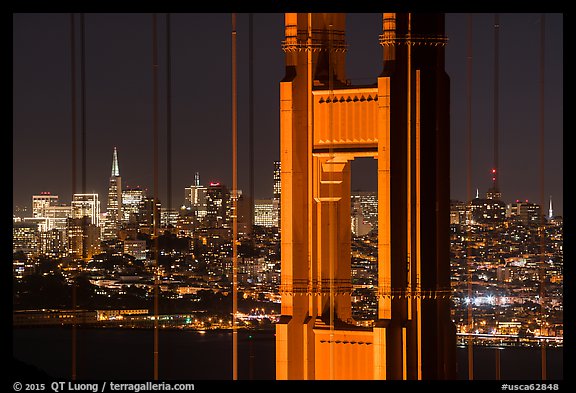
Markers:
119,101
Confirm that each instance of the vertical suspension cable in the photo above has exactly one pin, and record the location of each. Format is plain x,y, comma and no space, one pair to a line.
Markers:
310,158
409,177
73,97
83,98
468,199
496,100
408,182
168,116
234,207
155,180
496,168
417,236
542,220
331,225
251,199
73,146
313,284
168,129
83,139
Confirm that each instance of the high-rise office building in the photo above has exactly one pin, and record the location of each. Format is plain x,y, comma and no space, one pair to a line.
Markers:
367,202
132,199
86,205
218,204
243,212
56,216
83,237
25,237
458,212
264,213
53,243
277,189
83,227
48,213
487,210
168,217
41,202
114,214
525,212
195,197
136,248
359,225
146,217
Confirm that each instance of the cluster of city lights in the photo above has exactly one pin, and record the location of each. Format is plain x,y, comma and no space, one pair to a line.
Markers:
480,300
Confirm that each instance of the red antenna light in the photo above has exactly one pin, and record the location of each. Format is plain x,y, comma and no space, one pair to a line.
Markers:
493,170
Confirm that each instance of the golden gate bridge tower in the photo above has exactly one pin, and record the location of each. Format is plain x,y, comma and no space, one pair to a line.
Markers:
402,121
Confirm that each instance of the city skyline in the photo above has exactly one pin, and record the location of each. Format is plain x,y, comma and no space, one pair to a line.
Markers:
547,210
120,69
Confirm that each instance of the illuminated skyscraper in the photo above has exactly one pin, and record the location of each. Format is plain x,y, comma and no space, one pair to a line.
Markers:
25,238
83,227
264,213
490,210
525,212
48,213
83,238
168,217
217,203
277,190
132,199
360,226
114,214
53,243
86,205
41,202
146,217
195,197
458,212
367,202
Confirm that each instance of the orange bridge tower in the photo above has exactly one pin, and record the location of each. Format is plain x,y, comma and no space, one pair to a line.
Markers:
402,121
